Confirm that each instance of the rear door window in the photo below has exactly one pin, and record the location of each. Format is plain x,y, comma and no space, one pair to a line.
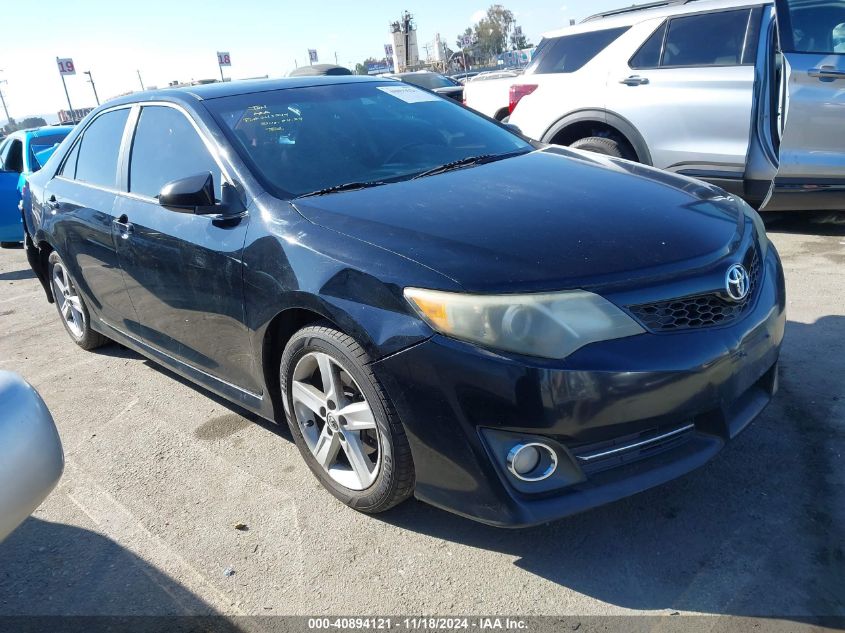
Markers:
100,148
167,147
708,39
569,53
649,54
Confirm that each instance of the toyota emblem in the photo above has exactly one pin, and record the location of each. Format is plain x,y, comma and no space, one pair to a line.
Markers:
737,282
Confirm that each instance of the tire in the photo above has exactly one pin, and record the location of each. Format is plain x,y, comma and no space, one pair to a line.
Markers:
602,145
319,349
73,312
11,245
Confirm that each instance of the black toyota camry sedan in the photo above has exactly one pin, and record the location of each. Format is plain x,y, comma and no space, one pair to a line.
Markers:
433,304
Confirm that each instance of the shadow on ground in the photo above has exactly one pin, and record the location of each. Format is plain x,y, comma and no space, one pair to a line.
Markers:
52,569
828,223
17,275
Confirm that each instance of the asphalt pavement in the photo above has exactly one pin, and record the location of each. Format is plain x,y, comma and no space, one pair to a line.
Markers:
159,472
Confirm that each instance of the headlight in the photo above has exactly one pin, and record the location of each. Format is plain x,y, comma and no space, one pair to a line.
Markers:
549,325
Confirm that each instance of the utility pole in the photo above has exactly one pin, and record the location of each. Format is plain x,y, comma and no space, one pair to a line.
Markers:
3,101
141,81
93,87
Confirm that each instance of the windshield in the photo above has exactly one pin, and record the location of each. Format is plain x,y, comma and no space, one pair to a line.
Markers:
427,80
38,145
302,140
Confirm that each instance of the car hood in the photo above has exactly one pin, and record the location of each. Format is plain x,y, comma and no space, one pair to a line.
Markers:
549,219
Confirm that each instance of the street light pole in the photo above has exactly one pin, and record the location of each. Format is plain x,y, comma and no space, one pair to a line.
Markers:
3,101
93,87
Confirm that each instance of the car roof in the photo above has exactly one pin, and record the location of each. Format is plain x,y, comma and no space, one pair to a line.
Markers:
634,14
239,87
45,130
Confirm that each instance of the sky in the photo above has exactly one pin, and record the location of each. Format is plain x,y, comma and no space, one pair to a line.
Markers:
169,40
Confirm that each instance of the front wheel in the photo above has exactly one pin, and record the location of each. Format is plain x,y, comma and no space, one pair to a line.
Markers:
343,422
71,306
603,145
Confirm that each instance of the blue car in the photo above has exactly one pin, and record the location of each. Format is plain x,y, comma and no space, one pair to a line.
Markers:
21,154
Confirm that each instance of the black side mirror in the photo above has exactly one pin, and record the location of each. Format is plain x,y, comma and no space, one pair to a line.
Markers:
513,128
190,194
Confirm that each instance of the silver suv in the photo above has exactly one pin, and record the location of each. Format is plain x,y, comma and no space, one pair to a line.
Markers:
746,95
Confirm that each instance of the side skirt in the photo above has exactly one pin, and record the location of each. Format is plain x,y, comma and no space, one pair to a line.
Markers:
256,403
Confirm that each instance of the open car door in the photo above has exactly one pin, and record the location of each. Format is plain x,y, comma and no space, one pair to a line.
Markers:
10,216
810,124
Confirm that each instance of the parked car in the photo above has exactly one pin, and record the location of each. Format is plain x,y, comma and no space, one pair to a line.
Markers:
496,74
317,70
435,82
433,304
21,154
711,89
31,457
463,77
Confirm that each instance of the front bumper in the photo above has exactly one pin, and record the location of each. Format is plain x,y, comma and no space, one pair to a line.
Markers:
450,394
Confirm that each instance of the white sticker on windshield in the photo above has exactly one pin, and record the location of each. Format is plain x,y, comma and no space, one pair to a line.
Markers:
409,94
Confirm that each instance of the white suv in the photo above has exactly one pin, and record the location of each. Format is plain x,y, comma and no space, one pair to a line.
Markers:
747,95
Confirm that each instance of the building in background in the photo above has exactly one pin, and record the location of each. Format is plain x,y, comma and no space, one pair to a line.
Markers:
406,55
66,116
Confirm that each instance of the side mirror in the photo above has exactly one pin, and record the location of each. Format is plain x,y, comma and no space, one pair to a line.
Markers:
513,128
193,194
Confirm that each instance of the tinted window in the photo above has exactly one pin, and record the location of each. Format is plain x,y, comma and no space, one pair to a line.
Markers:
813,26
427,80
13,157
98,153
39,144
301,140
166,147
568,53
649,54
710,39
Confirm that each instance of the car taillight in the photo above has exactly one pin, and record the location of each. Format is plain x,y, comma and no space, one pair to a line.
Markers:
516,93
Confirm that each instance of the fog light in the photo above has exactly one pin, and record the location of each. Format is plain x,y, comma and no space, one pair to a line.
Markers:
532,461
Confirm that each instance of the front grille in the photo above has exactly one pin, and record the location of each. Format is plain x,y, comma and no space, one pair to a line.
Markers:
705,310
599,456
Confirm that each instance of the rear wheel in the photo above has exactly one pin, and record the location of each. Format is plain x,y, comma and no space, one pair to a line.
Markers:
343,422
72,309
603,145
11,244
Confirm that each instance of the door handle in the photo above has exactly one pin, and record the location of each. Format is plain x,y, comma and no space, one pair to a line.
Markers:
124,225
826,72
634,80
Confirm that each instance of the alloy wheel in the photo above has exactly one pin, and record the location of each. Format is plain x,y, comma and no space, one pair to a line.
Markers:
67,298
336,421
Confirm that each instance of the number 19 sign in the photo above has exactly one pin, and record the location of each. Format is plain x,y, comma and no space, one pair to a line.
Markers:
223,59
66,66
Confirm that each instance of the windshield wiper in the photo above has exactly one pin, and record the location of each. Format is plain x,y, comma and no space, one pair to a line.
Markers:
468,161
347,186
